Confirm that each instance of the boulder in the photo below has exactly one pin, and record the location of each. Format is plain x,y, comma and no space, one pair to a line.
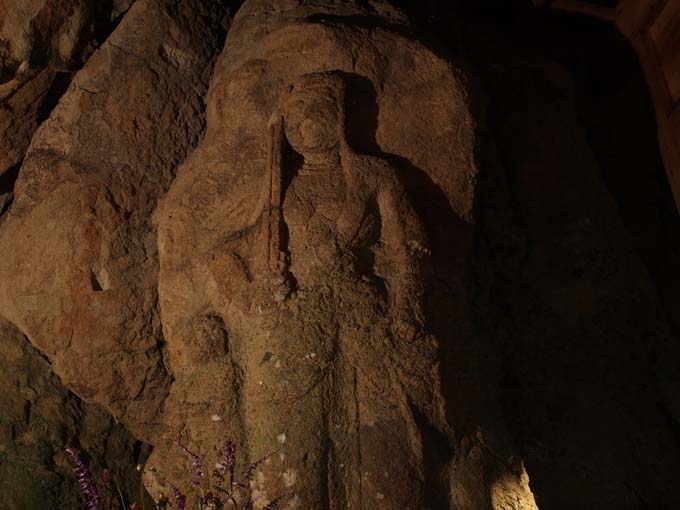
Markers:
39,419
79,272
41,43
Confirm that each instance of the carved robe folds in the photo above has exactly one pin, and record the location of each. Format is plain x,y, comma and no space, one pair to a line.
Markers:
295,264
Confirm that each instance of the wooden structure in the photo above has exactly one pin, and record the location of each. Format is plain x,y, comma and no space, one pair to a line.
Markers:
580,7
653,28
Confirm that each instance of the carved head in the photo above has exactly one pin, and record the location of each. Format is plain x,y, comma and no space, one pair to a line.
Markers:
312,109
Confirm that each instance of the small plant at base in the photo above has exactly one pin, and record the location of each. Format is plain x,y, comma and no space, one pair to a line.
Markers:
86,483
92,491
221,490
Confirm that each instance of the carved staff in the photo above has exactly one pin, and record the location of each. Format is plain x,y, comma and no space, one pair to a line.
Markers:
272,223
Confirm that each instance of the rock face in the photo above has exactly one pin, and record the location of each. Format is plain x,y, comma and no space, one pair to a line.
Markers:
341,253
41,43
39,418
305,284
79,280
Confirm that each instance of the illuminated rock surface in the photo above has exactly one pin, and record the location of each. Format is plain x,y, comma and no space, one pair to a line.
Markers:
331,239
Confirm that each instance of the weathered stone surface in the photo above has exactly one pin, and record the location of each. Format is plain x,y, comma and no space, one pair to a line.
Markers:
41,42
38,419
78,273
410,298
292,251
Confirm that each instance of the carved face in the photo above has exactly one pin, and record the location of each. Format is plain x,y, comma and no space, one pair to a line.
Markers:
311,121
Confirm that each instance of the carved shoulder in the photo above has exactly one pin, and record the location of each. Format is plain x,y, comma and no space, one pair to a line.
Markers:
371,174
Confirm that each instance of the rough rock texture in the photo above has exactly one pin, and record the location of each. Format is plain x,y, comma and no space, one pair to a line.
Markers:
41,43
79,279
319,292
400,274
38,418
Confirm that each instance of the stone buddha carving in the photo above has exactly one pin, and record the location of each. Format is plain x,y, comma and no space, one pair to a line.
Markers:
329,206
341,262
313,318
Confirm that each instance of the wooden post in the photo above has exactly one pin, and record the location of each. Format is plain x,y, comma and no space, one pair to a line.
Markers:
585,8
653,28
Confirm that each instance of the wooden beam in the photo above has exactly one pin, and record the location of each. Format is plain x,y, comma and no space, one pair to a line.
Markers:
639,24
584,8
653,30
634,15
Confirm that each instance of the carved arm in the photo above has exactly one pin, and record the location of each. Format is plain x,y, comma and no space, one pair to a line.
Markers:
407,250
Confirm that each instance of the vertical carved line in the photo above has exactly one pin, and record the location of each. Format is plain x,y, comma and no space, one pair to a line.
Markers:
273,226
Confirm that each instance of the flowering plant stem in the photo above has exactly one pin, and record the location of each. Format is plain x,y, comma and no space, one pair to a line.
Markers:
141,493
122,499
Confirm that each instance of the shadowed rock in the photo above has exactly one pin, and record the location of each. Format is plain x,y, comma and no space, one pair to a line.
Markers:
78,274
334,138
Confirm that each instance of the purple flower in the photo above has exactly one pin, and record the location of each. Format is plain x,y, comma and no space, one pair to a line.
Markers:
251,502
249,474
196,464
273,503
228,460
85,481
179,498
105,478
